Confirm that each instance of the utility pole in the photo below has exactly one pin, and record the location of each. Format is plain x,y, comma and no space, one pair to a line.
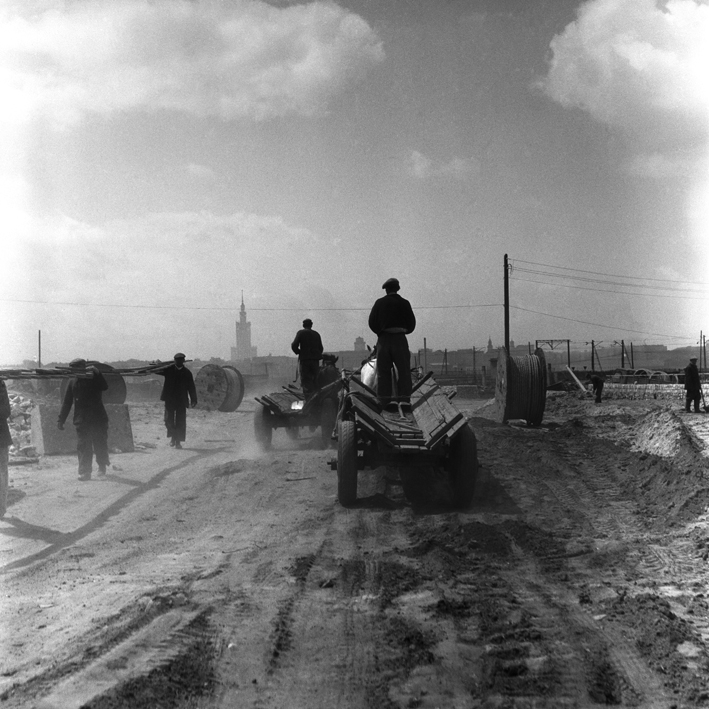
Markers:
507,305
39,348
425,358
632,357
622,354
593,356
475,371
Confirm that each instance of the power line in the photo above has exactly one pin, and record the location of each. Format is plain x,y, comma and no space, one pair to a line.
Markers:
609,327
236,307
612,283
606,290
609,275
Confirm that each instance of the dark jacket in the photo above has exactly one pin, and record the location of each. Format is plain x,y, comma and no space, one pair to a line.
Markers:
86,395
392,311
178,388
691,377
307,344
5,411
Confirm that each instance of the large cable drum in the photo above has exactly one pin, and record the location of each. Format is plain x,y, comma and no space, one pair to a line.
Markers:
219,388
521,387
117,390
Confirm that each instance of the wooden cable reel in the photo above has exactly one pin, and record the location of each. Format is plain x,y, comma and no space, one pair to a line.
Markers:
219,388
520,387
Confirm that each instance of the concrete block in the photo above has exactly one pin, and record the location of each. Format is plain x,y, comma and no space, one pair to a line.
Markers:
49,440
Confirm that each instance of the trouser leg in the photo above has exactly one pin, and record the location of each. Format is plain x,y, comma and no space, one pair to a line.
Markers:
170,420
402,360
308,375
180,424
84,449
100,442
384,364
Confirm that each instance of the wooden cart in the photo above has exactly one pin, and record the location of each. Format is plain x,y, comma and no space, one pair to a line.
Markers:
291,410
429,432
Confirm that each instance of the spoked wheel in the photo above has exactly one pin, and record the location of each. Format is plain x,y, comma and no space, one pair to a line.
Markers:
463,467
328,415
262,428
347,463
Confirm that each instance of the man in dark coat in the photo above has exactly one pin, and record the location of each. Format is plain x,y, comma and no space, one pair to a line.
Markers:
596,380
308,346
692,385
392,319
85,393
5,443
178,392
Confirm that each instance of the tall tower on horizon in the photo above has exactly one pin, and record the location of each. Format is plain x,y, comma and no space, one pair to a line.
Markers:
243,349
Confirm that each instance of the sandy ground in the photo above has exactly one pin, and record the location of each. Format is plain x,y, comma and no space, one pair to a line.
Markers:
219,576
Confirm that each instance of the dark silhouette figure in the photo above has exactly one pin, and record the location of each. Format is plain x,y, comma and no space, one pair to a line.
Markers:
85,394
391,319
178,393
308,346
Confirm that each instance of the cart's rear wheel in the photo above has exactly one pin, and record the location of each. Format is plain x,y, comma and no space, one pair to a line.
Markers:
347,463
463,466
262,428
328,415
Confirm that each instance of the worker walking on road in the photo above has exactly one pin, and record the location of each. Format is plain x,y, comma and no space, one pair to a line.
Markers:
692,386
392,319
85,394
597,384
308,346
178,392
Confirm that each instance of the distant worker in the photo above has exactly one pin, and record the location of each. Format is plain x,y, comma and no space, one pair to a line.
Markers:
85,393
178,393
392,319
5,443
692,386
308,346
596,380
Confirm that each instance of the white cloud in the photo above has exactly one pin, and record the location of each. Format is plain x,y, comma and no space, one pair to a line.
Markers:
422,167
203,57
638,66
659,166
203,172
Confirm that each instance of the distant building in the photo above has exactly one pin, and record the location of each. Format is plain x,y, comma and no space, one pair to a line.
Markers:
243,350
360,345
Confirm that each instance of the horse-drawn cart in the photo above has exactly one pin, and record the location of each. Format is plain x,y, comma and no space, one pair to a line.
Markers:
429,432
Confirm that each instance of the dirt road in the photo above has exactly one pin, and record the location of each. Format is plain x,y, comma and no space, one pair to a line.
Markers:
219,577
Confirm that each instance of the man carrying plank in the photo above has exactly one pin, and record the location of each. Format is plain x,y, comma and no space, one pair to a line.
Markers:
178,392
85,393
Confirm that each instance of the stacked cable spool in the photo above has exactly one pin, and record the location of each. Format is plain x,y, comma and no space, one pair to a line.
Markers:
520,387
219,388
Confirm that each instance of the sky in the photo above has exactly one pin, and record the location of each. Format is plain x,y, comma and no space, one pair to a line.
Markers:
162,157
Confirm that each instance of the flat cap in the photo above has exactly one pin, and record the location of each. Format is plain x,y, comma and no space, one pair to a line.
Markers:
179,355
78,362
391,283
692,359
307,322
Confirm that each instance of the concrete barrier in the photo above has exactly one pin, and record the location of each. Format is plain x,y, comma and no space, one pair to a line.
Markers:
47,439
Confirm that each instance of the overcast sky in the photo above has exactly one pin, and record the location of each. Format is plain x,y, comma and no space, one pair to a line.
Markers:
159,157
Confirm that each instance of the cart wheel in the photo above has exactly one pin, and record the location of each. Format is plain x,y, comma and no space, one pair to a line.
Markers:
328,415
262,428
463,466
347,463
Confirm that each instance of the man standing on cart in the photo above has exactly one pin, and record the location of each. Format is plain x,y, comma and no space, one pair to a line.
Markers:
392,319
308,346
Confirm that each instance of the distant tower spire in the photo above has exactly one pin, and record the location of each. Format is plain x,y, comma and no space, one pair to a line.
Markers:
243,349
